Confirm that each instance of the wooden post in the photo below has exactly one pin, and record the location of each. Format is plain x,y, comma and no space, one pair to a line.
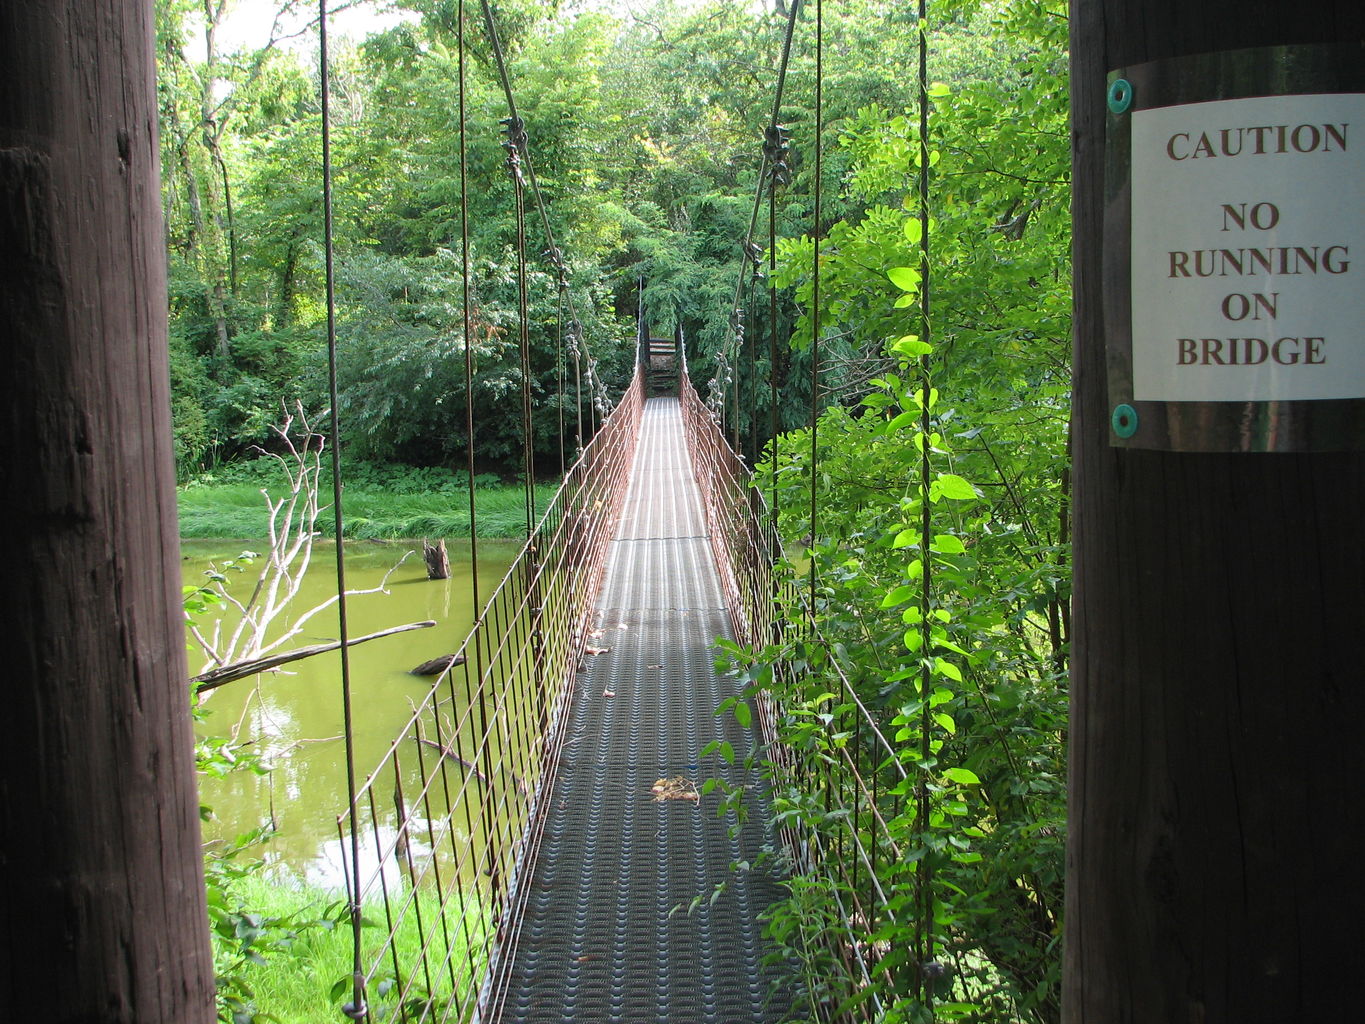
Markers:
1214,869
102,914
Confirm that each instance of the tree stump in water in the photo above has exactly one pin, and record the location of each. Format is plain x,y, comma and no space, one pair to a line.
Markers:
438,561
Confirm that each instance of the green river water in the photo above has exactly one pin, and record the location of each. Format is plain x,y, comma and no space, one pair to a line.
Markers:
293,718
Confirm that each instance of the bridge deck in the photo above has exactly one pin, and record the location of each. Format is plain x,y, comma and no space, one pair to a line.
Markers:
600,939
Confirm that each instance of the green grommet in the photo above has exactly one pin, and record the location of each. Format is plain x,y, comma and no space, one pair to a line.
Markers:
1124,421
1120,95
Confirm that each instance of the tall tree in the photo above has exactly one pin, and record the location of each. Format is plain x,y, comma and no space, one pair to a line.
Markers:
1213,861
101,889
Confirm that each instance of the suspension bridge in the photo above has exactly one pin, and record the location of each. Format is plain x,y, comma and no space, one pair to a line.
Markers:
577,739
576,823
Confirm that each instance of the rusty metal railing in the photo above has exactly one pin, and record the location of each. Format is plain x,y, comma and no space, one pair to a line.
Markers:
852,857
452,812
736,518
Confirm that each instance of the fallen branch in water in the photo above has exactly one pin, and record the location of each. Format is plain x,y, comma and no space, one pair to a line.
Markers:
447,752
216,677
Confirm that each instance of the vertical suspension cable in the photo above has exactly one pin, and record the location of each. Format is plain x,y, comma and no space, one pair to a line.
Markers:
468,322
356,1008
925,868
751,351
475,690
815,311
775,150
772,349
515,132
559,377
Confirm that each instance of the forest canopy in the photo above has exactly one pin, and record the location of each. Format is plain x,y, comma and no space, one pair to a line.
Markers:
646,125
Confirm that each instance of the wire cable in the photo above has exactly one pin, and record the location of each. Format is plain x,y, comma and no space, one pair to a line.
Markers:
355,1009
597,390
925,867
815,312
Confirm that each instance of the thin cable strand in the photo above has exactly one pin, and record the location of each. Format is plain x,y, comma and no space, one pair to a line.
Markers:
356,1009
926,890
595,386
468,322
815,302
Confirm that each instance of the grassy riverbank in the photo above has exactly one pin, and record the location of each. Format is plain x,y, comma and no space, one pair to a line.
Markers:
298,980
379,503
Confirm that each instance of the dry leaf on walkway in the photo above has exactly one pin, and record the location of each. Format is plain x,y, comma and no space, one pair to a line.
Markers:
608,693
596,650
597,634
676,788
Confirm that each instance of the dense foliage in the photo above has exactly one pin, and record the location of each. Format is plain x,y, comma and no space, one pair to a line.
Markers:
939,541
646,129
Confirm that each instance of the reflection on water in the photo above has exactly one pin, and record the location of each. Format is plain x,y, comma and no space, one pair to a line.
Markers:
292,718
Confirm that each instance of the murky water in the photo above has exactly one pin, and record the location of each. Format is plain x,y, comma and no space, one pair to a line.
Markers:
293,718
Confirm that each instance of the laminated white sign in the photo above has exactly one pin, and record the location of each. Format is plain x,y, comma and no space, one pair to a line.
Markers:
1247,244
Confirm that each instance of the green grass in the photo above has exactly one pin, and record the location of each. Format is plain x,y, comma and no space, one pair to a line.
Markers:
234,509
294,985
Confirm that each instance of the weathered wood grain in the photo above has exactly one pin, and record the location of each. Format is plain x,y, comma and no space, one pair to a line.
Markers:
102,915
1214,869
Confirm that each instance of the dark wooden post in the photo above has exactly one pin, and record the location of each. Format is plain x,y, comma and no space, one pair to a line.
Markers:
102,915
1215,871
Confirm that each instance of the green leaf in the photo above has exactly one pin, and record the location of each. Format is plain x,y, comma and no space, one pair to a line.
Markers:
911,347
898,596
904,278
962,776
744,714
952,487
902,421
947,544
946,668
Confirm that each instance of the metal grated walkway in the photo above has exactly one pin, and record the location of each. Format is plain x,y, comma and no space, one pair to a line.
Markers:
600,940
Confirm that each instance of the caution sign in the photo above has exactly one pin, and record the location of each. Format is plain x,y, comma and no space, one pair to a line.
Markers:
1246,250
1235,254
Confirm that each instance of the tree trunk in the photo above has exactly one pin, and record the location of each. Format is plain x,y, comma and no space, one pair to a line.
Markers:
102,915
1214,871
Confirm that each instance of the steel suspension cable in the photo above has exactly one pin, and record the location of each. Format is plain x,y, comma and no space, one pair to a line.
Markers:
749,251
772,343
928,968
553,253
515,134
468,321
356,1008
815,302
559,376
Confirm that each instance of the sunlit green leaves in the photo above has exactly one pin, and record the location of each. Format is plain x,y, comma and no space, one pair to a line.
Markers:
951,487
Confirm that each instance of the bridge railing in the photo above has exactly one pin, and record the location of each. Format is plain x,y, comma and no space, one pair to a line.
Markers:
736,518
453,809
852,857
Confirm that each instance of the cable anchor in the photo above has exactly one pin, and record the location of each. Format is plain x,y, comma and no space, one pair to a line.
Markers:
777,150
515,143
555,256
